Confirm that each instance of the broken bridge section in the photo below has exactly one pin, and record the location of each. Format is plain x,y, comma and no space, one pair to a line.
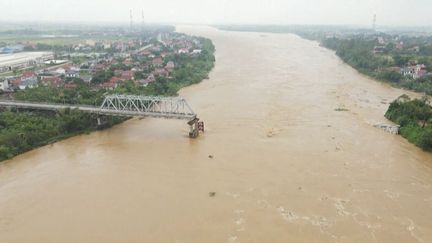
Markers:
128,106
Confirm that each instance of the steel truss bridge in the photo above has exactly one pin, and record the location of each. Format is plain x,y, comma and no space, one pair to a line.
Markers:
127,106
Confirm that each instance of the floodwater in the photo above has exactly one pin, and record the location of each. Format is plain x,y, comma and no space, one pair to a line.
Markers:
286,166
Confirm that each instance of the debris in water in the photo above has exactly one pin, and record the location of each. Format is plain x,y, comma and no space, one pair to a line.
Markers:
393,129
341,109
212,194
211,156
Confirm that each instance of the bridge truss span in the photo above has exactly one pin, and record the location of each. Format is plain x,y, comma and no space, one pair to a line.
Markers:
128,106
155,106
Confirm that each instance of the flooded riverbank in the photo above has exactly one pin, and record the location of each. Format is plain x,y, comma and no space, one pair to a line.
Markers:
287,166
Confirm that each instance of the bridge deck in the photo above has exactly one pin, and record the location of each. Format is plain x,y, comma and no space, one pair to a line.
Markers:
112,111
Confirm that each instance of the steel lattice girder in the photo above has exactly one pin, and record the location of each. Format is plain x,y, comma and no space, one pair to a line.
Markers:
156,106
121,105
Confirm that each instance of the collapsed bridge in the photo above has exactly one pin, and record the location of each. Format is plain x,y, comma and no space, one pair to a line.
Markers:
127,106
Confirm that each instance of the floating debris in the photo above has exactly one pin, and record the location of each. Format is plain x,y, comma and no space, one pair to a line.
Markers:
211,156
212,194
341,109
393,129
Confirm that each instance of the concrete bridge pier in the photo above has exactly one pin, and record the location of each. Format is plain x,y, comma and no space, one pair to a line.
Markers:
196,126
101,121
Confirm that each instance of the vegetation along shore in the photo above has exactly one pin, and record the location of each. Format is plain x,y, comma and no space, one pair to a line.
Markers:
155,61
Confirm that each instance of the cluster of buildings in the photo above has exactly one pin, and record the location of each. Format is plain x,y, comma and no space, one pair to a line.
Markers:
412,69
415,71
23,60
151,61
136,60
11,49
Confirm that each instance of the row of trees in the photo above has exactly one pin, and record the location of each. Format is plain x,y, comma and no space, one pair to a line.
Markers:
22,131
414,117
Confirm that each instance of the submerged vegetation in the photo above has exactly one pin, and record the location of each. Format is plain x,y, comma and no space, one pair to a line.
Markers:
414,117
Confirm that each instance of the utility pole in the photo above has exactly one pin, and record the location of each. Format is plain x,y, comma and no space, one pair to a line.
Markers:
131,20
142,20
374,22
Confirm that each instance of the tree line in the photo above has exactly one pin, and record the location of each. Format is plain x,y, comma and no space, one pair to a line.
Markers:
414,116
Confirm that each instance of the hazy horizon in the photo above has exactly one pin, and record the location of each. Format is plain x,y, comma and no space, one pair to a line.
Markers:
279,12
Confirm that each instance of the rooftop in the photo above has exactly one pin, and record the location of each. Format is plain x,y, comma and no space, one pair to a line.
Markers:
16,58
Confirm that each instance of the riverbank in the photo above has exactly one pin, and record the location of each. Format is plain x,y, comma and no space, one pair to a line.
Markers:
24,131
399,59
414,117
279,172
360,51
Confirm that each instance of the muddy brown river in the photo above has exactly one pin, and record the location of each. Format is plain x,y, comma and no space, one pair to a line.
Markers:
286,166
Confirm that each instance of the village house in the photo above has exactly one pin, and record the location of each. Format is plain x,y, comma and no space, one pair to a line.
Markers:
72,73
127,75
118,72
100,66
86,78
116,80
157,62
144,82
378,49
415,49
196,52
161,72
27,80
381,40
170,66
399,45
70,86
151,78
60,71
145,53
52,81
127,61
164,54
4,85
183,51
414,71
108,86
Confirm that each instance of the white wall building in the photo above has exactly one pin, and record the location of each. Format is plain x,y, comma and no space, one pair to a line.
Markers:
4,85
9,62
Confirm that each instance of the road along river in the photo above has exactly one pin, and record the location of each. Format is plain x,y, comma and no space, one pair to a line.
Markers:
286,166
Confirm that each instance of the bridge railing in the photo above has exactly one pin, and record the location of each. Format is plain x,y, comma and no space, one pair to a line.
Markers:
173,106
123,105
43,103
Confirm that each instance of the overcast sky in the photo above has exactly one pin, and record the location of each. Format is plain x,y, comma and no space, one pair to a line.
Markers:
343,12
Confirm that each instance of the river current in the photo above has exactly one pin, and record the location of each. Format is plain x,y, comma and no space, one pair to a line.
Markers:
290,154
